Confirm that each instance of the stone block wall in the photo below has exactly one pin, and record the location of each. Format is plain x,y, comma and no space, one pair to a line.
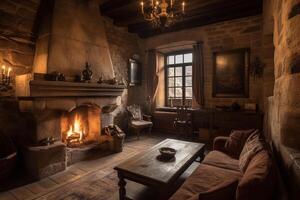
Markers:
287,78
17,35
240,33
284,106
123,45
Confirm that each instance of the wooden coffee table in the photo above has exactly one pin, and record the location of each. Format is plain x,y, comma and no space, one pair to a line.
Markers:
145,168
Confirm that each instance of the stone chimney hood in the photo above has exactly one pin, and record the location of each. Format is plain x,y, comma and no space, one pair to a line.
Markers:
71,33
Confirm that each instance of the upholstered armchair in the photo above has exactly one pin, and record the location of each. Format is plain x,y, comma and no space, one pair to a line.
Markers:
138,121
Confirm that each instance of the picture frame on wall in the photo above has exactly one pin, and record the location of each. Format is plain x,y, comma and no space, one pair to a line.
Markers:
231,73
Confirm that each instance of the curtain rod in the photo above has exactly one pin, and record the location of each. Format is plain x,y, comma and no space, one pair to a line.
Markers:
181,45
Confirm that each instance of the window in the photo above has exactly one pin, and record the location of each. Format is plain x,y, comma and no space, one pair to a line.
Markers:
179,79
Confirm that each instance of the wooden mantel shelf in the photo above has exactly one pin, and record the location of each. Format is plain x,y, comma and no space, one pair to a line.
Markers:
54,89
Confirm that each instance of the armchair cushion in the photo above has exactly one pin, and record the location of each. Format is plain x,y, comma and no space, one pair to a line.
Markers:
141,123
224,191
222,160
251,148
258,182
203,179
236,141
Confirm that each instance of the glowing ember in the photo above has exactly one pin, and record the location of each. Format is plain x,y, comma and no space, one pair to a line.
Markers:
75,133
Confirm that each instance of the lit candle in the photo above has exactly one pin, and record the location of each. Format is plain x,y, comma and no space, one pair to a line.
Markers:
8,72
3,69
171,3
142,4
183,5
157,3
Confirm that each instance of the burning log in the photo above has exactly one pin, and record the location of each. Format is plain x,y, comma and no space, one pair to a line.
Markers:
74,139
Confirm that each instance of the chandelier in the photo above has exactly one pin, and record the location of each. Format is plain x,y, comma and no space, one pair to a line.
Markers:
163,13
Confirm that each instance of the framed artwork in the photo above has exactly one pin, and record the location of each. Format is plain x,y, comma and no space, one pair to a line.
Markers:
231,73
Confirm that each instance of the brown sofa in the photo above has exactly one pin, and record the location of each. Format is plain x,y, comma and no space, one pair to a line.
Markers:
239,167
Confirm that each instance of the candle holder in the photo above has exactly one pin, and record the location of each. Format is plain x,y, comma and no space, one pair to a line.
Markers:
5,82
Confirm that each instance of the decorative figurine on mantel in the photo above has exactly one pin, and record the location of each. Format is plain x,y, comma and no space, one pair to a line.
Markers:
87,74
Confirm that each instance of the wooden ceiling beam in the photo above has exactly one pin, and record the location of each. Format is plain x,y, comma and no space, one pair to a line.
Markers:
199,13
228,8
112,5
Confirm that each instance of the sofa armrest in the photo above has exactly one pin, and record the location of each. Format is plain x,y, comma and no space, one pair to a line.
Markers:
225,191
219,143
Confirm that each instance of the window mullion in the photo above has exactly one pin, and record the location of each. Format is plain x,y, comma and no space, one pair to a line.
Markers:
183,81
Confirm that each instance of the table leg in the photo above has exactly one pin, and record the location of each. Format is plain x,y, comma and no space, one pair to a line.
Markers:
201,155
122,184
163,193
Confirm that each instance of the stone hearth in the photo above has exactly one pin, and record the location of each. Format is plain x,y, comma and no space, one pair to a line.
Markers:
51,103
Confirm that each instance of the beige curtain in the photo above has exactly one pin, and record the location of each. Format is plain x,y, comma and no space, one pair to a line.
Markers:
152,76
198,74
160,95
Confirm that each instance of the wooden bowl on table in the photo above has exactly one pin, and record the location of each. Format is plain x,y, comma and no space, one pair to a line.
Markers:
167,152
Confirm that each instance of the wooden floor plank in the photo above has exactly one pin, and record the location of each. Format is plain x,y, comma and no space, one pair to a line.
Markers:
104,166
22,193
62,177
7,196
47,183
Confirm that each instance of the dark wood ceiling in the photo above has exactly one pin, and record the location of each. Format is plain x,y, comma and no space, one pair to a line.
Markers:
198,13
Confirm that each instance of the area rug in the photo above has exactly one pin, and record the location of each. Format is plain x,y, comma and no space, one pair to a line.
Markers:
94,186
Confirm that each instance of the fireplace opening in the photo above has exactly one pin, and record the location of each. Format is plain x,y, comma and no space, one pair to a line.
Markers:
81,126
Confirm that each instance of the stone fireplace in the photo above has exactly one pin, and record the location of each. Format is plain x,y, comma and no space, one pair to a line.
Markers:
69,113
73,115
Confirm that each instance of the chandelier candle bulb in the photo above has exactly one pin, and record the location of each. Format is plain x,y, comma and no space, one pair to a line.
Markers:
3,69
142,4
8,72
183,5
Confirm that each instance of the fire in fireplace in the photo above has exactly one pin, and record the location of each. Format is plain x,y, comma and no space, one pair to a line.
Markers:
76,132
81,126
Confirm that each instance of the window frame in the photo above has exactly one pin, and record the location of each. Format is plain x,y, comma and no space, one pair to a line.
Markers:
183,66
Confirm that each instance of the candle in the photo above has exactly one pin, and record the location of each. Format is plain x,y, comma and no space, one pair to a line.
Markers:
171,3
183,4
8,72
3,69
142,4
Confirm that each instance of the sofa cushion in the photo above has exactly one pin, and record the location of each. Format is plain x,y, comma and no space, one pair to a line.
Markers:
251,148
258,181
222,160
203,179
236,141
